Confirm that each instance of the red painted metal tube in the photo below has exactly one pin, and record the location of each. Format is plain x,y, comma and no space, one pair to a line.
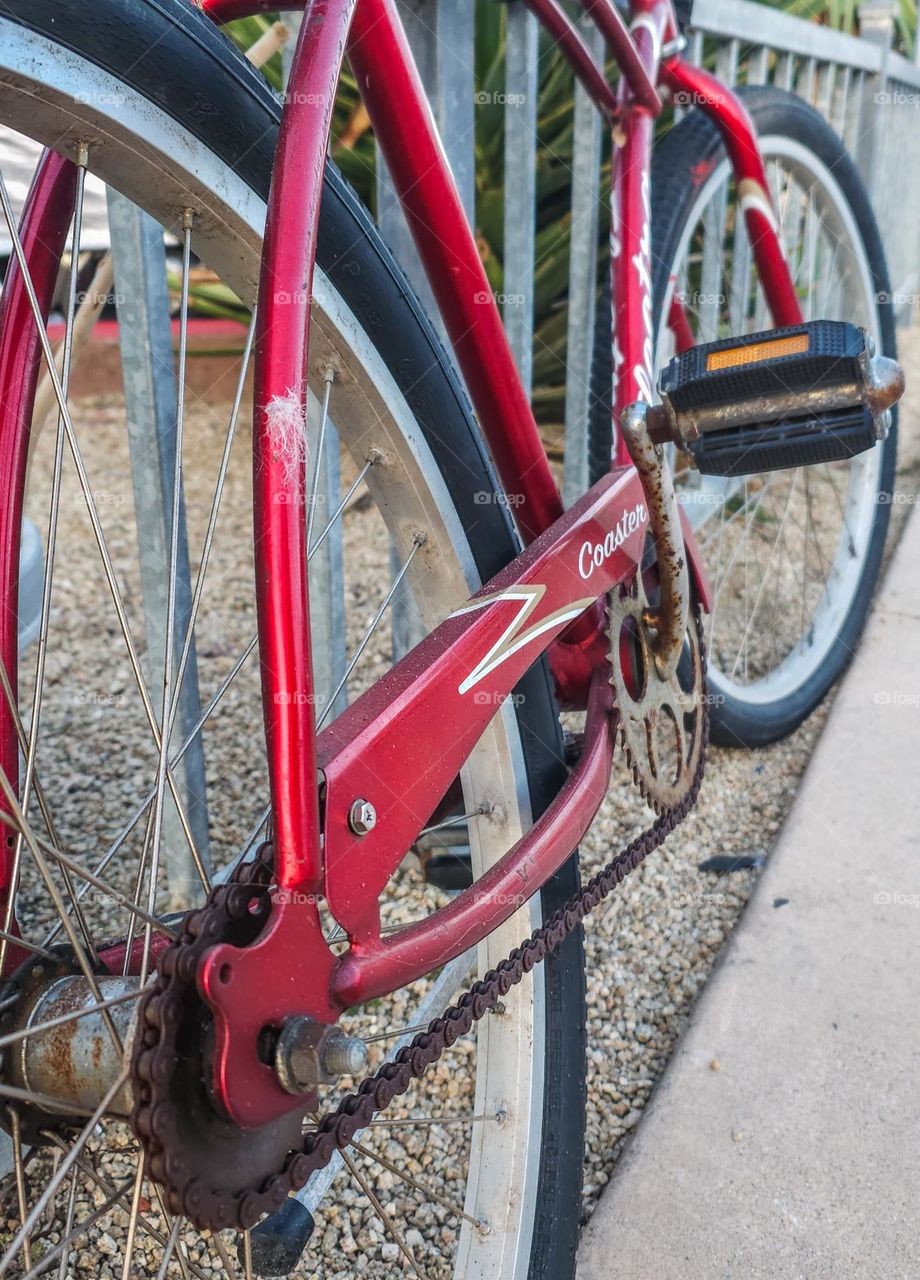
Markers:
623,47
43,229
279,440
631,237
403,125
366,971
730,116
553,18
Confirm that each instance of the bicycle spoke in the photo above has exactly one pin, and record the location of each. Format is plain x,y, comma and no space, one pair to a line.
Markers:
132,1218
418,543
168,1251
63,1247
93,880
92,510
44,871
20,1183
149,800
320,446
68,1227
381,1213
65,1166
371,461
211,529
428,1192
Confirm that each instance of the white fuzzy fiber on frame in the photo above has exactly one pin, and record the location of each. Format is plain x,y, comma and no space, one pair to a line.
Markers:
286,420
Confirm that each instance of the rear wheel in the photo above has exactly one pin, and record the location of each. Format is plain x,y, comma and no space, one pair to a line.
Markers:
792,556
478,1173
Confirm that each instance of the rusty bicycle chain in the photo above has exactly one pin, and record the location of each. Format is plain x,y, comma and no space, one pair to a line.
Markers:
157,1123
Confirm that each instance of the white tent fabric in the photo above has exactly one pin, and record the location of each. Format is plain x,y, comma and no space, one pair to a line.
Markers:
18,158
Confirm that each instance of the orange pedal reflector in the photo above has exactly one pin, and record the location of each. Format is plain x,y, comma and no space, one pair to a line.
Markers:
773,349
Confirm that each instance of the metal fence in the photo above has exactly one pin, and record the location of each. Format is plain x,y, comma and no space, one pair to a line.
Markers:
869,93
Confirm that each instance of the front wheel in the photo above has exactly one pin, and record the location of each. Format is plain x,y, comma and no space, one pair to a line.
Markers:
793,556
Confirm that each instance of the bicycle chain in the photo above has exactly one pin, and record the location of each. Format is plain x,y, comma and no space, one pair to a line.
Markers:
157,1123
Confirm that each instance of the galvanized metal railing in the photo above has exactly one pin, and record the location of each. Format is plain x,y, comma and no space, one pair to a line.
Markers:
869,93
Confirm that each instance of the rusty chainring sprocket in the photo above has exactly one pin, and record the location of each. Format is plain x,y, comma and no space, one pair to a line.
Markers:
661,724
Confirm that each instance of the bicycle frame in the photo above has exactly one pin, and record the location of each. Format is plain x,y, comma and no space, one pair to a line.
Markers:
389,746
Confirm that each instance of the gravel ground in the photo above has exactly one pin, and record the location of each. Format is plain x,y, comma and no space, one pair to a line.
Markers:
648,953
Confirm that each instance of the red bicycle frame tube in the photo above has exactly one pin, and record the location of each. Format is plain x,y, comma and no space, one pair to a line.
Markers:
43,231
631,231
279,446
405,129
730,116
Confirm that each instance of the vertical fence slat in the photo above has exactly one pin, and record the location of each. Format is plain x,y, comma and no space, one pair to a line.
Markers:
841,100
521,82
758,66
805,85
456,56
783,74
727,62
586,160
142,304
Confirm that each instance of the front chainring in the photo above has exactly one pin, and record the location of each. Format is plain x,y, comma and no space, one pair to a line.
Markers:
661,718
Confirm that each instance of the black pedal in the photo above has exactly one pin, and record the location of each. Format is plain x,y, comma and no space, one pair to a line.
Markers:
789,397
791,442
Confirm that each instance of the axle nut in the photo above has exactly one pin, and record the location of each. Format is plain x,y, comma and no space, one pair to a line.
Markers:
308,1053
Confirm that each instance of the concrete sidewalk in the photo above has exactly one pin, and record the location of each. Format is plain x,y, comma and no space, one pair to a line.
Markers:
784,1138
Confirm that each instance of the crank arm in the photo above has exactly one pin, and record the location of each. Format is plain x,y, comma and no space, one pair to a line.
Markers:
669,622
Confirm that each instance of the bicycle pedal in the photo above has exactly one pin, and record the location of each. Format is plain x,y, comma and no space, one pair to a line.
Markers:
790,397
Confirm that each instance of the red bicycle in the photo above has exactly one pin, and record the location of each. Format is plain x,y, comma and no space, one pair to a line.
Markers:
166,1075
